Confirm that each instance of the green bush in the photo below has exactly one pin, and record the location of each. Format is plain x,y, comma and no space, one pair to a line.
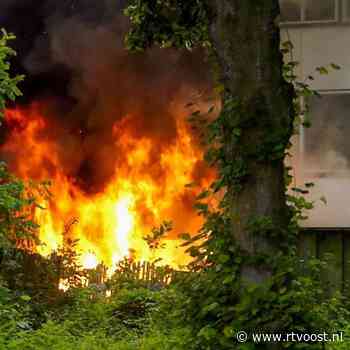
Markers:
136,318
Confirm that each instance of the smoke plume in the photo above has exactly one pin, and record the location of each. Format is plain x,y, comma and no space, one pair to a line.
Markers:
73,55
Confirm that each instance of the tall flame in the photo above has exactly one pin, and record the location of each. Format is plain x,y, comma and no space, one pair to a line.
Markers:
110,224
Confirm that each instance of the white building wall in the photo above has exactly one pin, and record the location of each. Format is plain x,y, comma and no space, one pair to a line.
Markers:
319,46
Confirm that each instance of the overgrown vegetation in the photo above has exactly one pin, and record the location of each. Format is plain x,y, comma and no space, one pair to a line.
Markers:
134,317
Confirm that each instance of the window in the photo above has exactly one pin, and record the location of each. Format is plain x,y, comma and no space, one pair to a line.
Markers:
290,10
326,145
346,10
324,160
316,10
296,11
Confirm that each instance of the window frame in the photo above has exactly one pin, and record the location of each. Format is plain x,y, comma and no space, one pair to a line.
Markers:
328,21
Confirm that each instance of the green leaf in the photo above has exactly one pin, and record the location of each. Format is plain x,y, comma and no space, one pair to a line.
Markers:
287,45
322,70
335,66
185,236
203,195
223,258
25,297
323,199
207,333
228,280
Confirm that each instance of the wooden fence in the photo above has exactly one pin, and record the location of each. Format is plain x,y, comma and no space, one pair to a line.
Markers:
332,246
147,272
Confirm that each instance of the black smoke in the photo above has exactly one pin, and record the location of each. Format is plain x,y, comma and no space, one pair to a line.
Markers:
72,53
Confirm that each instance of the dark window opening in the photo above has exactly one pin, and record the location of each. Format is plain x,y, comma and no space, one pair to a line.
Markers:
290,10
316,10
308,10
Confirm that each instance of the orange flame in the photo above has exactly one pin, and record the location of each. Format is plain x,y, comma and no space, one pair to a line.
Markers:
141,194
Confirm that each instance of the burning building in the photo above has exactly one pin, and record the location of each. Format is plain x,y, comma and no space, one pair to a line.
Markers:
107,127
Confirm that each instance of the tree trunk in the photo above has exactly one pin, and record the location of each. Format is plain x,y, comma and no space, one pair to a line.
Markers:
246,42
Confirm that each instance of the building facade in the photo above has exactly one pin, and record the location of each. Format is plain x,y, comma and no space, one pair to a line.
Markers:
320,33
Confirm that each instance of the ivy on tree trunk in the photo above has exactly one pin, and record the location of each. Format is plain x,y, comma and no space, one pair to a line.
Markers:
256,120
257,124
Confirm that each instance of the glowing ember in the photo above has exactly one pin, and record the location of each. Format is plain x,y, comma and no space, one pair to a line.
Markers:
89,261
147,187
64,285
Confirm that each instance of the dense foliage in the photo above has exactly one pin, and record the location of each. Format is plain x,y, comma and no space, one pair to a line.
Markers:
8,84
170,23
133,317
13,198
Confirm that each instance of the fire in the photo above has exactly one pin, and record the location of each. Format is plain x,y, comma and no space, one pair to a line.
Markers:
148,186
89,261
63,285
